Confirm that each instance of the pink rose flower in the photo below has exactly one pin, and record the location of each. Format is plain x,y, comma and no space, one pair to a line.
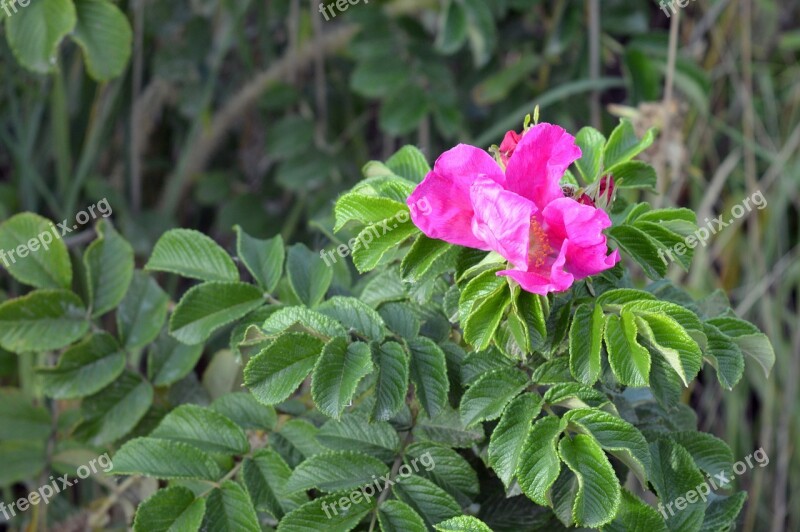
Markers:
521,213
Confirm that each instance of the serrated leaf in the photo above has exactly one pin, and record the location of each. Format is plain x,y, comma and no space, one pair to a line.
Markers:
327,513
672,341
709,453
153,457
337,373
616,297
400,319
634,174
46,263
629,361
478,288
539,464
378,439
375,241
296,440
623,144
192,254
365,209
463,523
41,321
641,248
115,410
509,436
168,360
278,370
448,428
203,428
591,142
674,475
208,306
722,512
308,274
310,320
445,467
243,409
635,514
355,315
170,509
725,356
421,257
574,395
428,371
391,384
262,258
84,368
585,342
484,318
142,311
229,508
35,31
750,340
409,162
397,516
265,476
109,265
336,471
429,501
598,496
487,398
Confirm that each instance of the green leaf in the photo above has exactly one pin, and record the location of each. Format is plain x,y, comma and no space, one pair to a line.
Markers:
391,384
634,514
615,298
429,501
481,286
685,317
397,516
164,459
623,145
722,512
203,428
229,508
168,360
452,32
309,320
355,315
20,419
616,436
378,77
409,162
641,248
510,434
591,142
365,209
170,509
750,340
574,395
354,431
422,256
672,341
629,361
634,174
539,464
709,453
675,475
481,31
115,410
328,513
245,411
262,258
142,312
41,321
308,274
25,460
445,467
192,254
35,31
104,35
337,373
487,398
296,440
336,471
208,306
428,370
45,263
484,318
447,428
400,319
265,476
375,241
84,368
463,523
278,370
668,242
725,356
403,110
585,342
109,265
598,496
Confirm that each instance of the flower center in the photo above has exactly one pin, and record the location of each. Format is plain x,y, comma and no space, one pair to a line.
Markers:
539,248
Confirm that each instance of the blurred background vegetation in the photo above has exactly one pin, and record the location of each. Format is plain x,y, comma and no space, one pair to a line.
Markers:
259,113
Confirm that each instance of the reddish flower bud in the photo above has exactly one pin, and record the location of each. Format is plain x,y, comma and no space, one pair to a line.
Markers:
508,145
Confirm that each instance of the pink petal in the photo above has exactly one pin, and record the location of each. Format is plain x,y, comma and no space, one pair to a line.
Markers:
583,262
502,220
445,194
582,224
539,162
556,279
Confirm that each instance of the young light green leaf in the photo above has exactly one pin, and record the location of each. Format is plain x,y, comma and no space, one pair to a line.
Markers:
629,361
35,32
585,342
623,144
634,174
164,459
337,373
44,261
84,368
409,162
391,384
229,508
539,464
487,398
203,428
375,241
105,36
262,258
141,314
509,436
41,321
428,370
365,209
279,369
336,471
672,341
170,509
484,318
591,142
308,274
192,254
208,306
